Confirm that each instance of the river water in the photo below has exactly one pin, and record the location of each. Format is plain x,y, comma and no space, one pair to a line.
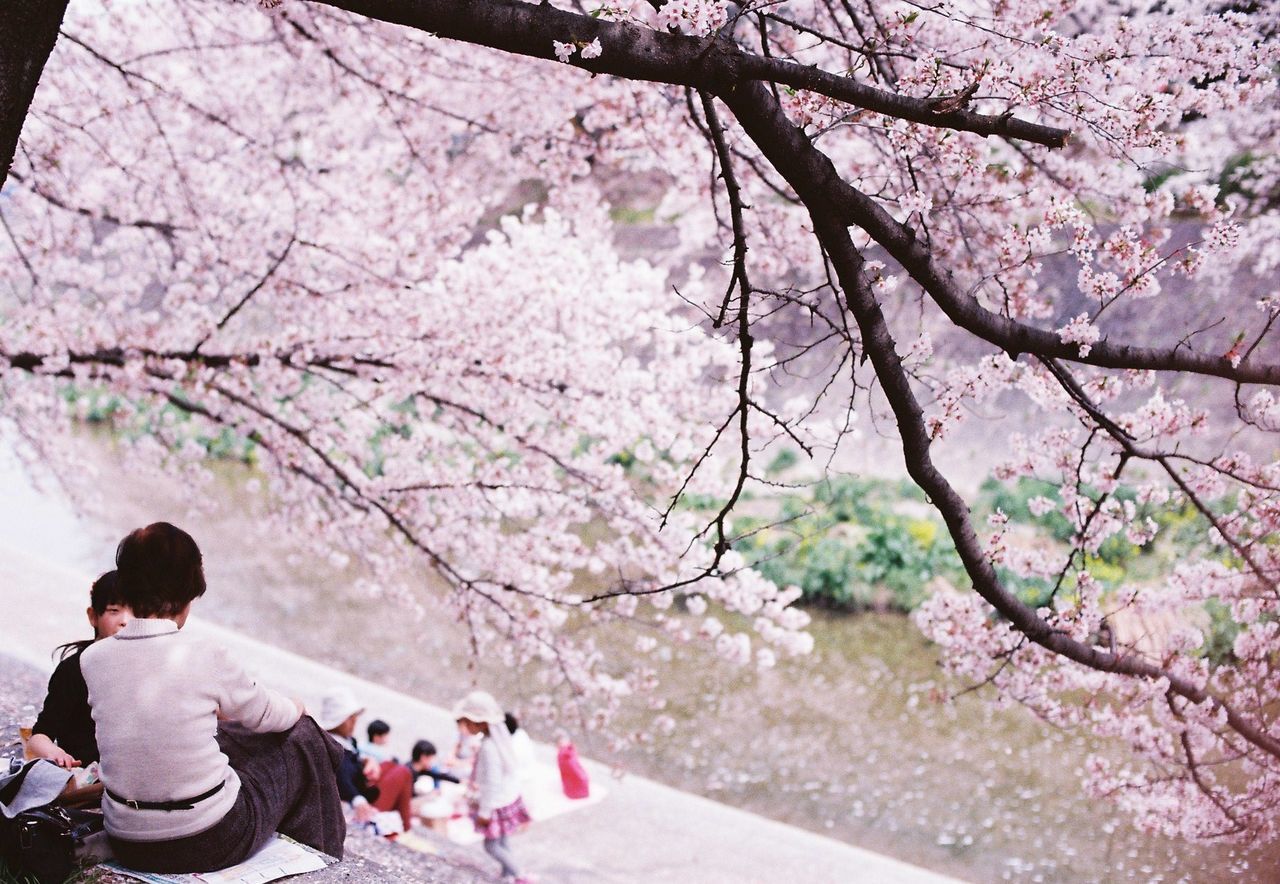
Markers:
852,742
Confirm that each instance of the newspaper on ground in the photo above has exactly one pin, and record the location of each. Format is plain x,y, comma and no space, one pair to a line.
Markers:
281,857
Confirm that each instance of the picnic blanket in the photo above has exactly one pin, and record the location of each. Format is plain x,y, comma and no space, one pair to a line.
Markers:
35,784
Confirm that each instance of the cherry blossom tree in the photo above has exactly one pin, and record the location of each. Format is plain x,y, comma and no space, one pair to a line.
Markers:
303,226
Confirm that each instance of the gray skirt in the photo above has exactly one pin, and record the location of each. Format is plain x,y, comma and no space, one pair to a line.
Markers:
288,784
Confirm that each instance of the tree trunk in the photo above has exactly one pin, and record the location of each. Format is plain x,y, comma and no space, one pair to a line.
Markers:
28,30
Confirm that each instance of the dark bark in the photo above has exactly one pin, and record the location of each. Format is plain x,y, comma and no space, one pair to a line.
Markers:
116,357
644,54
28,30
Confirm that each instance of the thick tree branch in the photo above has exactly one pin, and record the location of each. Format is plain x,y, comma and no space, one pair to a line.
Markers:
1014,337
807,170
116,357
638,53
722,67
28,31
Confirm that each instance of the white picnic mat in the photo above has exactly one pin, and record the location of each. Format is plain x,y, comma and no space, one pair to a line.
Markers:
543,796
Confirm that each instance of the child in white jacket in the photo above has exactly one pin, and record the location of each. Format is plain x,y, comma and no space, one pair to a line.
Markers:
498,809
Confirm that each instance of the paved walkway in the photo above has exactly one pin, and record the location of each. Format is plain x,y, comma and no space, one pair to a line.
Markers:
642,831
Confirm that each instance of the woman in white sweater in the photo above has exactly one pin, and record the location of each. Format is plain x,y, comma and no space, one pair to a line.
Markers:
186,792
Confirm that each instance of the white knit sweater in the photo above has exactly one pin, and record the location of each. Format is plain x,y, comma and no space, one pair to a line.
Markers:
156,694
497,784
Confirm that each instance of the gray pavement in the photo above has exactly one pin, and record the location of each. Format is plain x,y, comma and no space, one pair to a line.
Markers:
641,831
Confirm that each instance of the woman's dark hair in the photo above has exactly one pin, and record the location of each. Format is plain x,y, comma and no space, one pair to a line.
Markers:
423,748
377,728
104,592
160,570
512,724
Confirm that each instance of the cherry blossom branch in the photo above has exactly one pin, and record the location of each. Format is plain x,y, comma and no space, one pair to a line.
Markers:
638,53
697,464
472,586
381,88
463,408
345,481
1082,532
132,77
1193,768
118,357
1006,660
164,228
1015,338
734,193
807,169
1132,449
739,277
17,247
257,287
351,492
721,67
186,405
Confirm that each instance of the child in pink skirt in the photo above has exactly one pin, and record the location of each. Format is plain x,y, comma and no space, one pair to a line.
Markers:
497,808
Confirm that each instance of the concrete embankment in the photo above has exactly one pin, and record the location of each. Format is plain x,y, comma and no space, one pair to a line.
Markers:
642,830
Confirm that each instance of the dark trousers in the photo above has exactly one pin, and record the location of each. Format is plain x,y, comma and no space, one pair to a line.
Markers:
288,784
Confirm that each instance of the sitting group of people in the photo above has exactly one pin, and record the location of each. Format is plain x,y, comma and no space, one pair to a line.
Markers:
371,778
200,764
491,752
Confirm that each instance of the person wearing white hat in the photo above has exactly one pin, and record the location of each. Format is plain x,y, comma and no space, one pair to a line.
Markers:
498,809
368,785
339,709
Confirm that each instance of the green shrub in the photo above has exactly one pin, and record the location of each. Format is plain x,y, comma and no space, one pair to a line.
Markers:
785,460
825,568
903,556
1220,637
860,499
847,549
1012,501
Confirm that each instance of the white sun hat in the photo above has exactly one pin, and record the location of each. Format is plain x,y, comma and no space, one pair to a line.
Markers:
337,706
480,707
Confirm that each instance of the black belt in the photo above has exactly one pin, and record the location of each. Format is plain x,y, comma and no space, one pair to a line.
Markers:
180,804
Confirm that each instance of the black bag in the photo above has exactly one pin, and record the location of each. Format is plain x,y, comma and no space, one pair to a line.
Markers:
47,843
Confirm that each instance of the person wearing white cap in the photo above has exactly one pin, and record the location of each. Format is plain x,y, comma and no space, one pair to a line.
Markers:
498,809
369,786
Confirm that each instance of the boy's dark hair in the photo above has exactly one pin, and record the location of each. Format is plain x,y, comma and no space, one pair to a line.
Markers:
161,571
512,724
377,728
423,748
104,592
